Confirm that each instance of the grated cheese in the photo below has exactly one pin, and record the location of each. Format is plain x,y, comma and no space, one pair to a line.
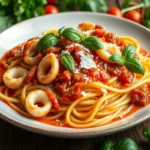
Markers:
83,93
87,61
64,52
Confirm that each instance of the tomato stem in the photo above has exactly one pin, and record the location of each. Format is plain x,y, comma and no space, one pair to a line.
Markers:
141,5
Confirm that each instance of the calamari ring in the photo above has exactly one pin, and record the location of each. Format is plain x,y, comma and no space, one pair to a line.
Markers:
108,50
86,26
14,77
51,31
37,103
48,69
29,53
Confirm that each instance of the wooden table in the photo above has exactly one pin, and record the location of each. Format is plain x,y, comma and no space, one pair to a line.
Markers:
14,138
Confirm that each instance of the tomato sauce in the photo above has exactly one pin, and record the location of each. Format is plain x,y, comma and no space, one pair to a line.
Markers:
68,84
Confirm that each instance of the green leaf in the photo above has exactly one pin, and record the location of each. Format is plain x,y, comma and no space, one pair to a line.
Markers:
61,30
134,65
92,43
78,4
68,61
5,2
147,23
146,3
146,132
38,11
5,22
96,5
147,14
72,34
47,41
117,58
106,144
126,144
64,5
129,51
126,3
2,11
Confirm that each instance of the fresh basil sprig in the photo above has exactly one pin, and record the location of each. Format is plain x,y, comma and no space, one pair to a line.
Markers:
68,61
128,60
126,144
47,41
134,65
61,30
129,51
146,132
71,34
93,43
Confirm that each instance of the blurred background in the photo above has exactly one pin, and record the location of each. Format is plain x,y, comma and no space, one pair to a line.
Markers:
14,11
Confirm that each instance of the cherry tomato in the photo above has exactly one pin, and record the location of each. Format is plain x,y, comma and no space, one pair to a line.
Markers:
51,1
115,11
51,9
134,16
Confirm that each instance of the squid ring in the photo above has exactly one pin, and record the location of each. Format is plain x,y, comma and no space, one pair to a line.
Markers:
86,26
29,53
14,77
37,103
108,50
48,69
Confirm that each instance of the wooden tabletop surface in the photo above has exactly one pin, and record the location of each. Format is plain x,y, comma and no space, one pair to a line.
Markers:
14,138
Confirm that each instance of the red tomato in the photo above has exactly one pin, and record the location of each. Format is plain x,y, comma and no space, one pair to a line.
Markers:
115,11
134,16
51,9
51,1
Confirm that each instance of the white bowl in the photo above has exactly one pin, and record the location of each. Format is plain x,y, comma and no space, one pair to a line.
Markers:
33,27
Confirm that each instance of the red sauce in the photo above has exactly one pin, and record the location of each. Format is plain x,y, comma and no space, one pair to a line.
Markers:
68,84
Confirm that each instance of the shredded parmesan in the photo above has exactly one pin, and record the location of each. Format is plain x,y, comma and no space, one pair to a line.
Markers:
64,52
87,61
83,93
83,48
70,46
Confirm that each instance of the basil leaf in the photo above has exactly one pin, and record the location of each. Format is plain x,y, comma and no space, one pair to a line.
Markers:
96,5
72,34
47,41
93,43
147,14
61,30
126,144
126,3
129,51
146,132
117,58
64,5
147,23
134,65
5,22
106,144
146,3
68,61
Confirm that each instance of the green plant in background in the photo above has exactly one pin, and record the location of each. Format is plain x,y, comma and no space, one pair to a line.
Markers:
146,133
86,5
123,144
13,11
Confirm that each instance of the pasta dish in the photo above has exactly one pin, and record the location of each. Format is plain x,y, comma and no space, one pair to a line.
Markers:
79,78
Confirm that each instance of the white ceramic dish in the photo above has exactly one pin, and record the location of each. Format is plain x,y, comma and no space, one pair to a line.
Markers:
33,27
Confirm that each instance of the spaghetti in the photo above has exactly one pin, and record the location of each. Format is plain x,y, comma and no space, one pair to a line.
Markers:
94,92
